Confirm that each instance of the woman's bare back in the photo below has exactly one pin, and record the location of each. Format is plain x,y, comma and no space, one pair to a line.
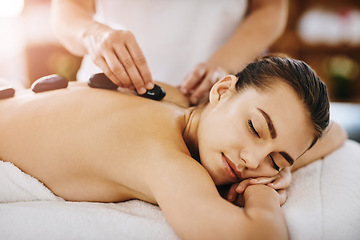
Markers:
89,144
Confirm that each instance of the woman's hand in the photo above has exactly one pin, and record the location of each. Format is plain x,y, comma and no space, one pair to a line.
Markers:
118,54
280,183
198,83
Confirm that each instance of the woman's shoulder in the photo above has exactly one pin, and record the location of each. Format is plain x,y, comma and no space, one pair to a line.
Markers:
174,95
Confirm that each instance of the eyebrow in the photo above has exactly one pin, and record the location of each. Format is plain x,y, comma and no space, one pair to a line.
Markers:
273,135
269,124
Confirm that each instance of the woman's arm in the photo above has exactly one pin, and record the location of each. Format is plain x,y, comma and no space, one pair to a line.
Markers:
333,139
189,199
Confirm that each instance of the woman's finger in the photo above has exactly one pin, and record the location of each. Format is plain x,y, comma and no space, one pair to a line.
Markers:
282,196
232,194
242,186
283,180
280,183
262,180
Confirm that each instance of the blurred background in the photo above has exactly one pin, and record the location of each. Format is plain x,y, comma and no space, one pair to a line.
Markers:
324,33
28,48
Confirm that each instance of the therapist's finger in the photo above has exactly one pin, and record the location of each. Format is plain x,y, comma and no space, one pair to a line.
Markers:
130,55
193,79
141,64
131,70
101,63
203,88
116,71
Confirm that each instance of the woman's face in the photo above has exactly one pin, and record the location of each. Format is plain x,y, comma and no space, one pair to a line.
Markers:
252,133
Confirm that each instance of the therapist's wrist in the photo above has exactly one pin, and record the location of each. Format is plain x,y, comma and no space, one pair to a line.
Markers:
92,34
231,63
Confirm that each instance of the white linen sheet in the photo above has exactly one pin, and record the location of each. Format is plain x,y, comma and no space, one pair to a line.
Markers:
324,203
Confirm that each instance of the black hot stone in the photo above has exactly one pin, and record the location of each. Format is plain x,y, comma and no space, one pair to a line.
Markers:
157,93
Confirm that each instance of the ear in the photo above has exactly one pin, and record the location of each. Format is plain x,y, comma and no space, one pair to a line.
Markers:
222,88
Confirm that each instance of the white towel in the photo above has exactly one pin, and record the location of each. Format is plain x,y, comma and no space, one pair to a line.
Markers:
58,220
324,203
17,186
324,197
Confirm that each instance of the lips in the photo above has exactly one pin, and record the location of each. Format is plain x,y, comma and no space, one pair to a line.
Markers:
230,169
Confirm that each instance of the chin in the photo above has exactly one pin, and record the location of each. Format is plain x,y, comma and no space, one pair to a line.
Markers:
218,179
214,172
221,182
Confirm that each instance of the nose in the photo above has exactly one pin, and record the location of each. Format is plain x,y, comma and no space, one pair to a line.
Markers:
253,157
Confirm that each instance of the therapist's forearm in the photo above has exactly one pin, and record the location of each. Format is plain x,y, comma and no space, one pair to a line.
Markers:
258,31
70,20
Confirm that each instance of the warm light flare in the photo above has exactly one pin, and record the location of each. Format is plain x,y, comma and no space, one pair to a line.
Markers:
11,8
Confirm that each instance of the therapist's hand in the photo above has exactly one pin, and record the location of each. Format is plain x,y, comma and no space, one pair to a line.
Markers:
118,54
198,83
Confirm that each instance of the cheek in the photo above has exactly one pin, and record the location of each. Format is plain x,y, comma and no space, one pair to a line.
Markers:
215,134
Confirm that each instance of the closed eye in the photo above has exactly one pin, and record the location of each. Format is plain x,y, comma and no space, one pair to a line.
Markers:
252,129
274,165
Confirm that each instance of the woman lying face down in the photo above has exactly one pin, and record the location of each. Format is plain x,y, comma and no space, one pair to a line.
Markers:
99,145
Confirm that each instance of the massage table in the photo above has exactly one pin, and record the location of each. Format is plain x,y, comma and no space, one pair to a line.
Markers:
323,203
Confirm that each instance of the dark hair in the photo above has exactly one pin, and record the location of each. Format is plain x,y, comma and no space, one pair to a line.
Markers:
311,90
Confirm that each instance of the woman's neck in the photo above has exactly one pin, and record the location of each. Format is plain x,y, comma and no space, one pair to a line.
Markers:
192,120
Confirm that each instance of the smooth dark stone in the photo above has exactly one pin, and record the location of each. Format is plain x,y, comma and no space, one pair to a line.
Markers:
48,83
6,92
100,80
157,93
